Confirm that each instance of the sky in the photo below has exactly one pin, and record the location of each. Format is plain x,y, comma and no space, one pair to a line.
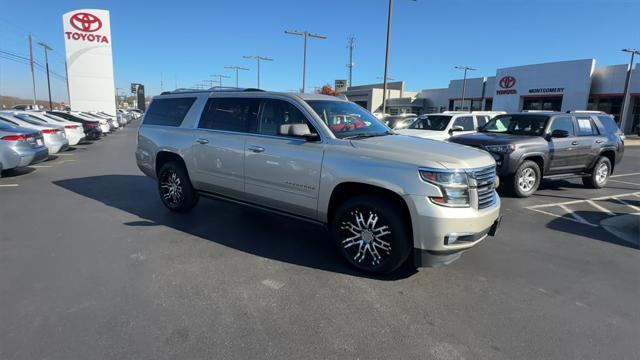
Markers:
184,42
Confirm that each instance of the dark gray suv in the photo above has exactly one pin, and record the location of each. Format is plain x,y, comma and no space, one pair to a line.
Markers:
530,146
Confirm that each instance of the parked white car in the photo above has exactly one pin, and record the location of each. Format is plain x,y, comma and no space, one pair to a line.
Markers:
54,136
449,123
74,131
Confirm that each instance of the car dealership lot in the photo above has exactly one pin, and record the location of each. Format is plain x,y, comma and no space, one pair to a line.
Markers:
93,266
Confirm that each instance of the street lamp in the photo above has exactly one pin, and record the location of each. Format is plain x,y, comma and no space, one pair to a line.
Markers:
220,77
386,57
306,35
258,58
464,82
236,68
626,100
46,60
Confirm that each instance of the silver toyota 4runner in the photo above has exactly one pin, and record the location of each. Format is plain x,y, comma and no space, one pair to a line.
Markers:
382,196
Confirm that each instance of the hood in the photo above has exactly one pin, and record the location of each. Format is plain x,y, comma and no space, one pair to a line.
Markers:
427,134
423,152
479,139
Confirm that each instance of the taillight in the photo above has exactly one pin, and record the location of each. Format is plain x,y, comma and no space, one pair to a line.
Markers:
49,131
15,137
91,125
71,126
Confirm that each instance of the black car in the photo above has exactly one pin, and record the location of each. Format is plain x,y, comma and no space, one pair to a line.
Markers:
91,128
530,146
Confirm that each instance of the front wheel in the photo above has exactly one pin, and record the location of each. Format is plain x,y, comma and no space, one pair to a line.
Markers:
599,174
526,179
371,234
175,188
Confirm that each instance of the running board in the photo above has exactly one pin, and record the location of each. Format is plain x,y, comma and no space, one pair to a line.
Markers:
565,176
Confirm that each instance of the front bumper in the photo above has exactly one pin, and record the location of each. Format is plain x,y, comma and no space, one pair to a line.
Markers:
445,232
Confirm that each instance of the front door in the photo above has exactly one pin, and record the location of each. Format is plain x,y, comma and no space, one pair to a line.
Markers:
463,125
282,172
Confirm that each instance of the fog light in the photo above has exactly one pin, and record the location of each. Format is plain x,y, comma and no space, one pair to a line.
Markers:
450,239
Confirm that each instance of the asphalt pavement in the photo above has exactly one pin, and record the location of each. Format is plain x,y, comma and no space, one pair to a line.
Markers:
92,266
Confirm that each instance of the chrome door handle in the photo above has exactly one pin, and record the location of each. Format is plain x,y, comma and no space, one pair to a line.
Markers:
599,141
202,141
574,143
256,149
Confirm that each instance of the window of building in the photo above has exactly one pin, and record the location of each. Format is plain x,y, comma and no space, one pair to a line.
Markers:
279,112
466,122
562,123
168,111
230,114
543,103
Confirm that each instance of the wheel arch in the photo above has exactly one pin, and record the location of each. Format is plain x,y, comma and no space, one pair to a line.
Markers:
164,156
611,155
539,159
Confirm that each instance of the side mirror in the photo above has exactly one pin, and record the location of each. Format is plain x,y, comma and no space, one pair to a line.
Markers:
456,128
558,133
297,130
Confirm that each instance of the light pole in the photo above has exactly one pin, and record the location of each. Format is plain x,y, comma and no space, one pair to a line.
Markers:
258,58
626,100
46,60
386,57
351,43
306,35
220,77
236,68
464,83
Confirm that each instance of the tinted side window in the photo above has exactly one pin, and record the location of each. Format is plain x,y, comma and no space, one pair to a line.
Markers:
465,121
279,112
168,112
562,123
610,126
585,127
482,120
230,114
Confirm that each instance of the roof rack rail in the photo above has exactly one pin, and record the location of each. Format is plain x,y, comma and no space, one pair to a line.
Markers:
215,88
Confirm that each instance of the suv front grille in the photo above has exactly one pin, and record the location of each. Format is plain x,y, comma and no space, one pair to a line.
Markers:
485,179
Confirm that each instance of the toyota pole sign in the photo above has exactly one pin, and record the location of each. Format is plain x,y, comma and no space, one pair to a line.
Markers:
87,41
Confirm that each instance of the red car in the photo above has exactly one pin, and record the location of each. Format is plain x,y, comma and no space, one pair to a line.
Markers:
346,123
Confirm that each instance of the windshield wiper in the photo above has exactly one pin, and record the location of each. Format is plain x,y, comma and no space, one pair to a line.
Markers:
367,135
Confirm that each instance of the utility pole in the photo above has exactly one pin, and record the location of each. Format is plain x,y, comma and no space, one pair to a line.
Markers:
66,78
351,43
46,60
236,68
626,100
161,83
464,83
211,82
258,58
306,35
220,77
33,75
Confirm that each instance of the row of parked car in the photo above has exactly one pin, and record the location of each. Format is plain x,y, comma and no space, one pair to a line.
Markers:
28,137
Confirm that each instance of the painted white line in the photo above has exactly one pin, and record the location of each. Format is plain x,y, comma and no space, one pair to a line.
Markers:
625,182
579,201
620,175
603,209
9,185
562,217
578,218
63,155
40,166
626,203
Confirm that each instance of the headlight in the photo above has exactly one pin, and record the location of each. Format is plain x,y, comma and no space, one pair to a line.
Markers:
454,185
502,149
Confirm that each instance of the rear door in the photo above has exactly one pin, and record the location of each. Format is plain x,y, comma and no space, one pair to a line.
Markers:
562,151
218,149
589,140
283,172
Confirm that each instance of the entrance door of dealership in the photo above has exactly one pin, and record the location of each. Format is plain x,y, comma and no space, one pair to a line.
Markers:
551,103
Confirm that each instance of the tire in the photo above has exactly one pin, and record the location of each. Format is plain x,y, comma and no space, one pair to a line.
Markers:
175,189
371,234
599,174
526,179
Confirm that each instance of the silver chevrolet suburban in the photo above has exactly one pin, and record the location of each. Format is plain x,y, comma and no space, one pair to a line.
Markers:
382,196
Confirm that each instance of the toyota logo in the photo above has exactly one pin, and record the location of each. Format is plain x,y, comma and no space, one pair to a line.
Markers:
85,22
507,82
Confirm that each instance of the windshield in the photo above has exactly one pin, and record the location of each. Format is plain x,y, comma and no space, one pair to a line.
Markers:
518,124
431,122
348,120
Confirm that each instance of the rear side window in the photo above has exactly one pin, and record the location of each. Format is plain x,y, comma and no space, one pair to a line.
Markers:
230,114
168,112
609,126
586,127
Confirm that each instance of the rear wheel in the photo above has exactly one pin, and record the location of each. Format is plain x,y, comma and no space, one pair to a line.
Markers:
526,179
175,188
371,234
599,174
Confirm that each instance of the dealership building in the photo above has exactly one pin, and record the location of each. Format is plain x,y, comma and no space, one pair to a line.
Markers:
557,86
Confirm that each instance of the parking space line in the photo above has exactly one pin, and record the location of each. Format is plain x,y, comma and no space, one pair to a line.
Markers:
9,185
563,217
573,214
583,200
601,208
626,203
625,182
620,175
64,154
40,166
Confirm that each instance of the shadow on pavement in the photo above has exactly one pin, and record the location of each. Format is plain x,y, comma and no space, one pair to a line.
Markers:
17,172
595,233
241,228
